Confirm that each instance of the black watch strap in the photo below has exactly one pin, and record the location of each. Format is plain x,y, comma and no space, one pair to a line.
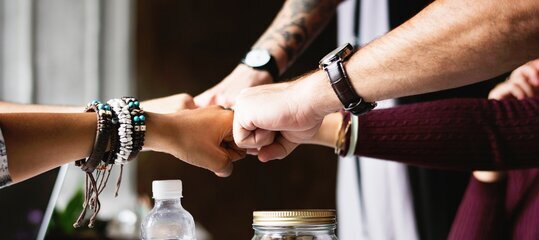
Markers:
271,67
340,82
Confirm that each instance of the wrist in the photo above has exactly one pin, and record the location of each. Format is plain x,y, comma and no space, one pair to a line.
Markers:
157,128
334,64
255,77
280,56
262,60
328,132
315,90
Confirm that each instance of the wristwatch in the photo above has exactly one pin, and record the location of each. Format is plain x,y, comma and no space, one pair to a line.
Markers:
332,64
261,59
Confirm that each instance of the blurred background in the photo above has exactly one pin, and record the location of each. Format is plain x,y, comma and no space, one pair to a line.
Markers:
71,51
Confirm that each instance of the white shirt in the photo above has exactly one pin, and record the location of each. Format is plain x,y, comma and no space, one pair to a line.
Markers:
384,208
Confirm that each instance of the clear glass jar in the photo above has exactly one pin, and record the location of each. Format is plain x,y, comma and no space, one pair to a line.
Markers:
294,225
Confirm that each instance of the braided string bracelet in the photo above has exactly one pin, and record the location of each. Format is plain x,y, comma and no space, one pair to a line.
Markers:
95,185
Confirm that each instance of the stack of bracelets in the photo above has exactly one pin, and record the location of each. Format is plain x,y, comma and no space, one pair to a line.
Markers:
120,135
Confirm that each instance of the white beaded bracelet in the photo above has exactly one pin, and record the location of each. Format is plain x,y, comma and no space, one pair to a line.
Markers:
125,131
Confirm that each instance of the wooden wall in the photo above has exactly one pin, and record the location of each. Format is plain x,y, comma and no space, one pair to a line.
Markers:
190,45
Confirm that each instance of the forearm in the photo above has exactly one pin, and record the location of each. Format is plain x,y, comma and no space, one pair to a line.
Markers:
449,44
9,107
38,142
328,132
296,25
464,134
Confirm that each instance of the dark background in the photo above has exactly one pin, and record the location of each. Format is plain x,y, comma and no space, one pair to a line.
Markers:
189,46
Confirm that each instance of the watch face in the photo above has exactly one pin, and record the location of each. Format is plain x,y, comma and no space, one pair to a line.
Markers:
257,57
340,53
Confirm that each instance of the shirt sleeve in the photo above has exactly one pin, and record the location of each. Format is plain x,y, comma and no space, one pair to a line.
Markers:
481,214
5,179
460,134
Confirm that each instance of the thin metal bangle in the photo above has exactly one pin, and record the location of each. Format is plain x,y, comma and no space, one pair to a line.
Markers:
353,136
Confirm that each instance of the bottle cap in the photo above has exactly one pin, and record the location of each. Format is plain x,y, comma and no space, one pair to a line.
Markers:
167,189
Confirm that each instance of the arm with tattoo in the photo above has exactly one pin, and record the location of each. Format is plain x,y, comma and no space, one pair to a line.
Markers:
296,25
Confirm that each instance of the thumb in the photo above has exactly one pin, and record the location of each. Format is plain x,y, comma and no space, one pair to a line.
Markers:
233,152
225,172
277,150
204,99
249,136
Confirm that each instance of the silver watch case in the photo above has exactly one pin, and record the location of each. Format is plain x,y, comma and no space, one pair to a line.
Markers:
342,53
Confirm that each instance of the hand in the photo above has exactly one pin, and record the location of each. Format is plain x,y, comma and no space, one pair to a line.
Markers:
489,176
275,118
169,104
201,137
226,91
523,82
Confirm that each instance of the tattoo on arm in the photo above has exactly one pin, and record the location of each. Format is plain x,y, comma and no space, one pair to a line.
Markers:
297,24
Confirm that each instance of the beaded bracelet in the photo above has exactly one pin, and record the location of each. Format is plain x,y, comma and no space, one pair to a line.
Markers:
125,130
139,125
121,127
132,127
114,141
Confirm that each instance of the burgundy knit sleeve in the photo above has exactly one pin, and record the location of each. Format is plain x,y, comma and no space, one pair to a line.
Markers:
481,213
455,134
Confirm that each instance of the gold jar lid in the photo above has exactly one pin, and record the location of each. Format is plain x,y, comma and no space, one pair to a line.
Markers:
294,217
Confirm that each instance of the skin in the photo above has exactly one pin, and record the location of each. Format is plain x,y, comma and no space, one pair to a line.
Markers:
169,104
295,26
173,134
38,142
430,52
522,83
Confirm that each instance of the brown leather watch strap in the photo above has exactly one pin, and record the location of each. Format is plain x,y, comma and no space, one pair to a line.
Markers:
351,101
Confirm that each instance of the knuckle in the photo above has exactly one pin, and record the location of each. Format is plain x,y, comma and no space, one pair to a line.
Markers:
222,165
185,96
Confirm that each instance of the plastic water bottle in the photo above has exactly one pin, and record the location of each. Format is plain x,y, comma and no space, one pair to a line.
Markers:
168,219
